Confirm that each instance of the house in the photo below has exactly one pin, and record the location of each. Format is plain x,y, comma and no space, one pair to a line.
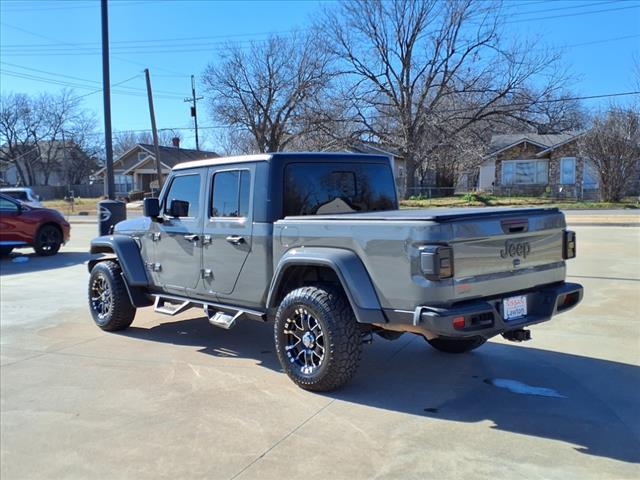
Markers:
534,164
51,163
397,162
135,170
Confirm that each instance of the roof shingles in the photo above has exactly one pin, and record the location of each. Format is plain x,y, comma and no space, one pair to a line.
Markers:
499,142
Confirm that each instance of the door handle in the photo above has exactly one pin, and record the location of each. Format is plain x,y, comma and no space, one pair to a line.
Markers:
235,239
192,238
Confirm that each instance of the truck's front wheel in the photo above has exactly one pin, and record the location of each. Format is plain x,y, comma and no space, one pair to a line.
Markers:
317,338
456,345
109,301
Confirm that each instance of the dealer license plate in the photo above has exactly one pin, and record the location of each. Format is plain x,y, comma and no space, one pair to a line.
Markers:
514,307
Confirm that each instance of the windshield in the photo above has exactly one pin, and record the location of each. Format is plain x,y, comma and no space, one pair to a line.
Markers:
18,194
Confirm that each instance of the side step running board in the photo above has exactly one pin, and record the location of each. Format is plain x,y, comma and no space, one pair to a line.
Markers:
220,315
222,319
168,307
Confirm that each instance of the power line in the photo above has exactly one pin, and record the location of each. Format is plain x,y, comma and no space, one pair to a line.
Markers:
572,14
380,115
78,50
572,7
177,94
78,85
73,45
69,6
159,40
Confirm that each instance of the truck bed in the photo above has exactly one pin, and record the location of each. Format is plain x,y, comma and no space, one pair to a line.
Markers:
431,214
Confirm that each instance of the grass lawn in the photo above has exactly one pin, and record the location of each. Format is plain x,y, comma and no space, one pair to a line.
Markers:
477,200
88,205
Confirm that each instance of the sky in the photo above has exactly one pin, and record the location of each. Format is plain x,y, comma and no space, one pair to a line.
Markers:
51,45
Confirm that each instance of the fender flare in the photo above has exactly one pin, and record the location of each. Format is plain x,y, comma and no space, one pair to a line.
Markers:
348,267
128,253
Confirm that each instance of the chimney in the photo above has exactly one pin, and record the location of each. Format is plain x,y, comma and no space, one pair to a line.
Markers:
176,142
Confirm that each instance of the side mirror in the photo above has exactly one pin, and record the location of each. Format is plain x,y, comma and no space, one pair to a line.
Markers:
151,207
179,208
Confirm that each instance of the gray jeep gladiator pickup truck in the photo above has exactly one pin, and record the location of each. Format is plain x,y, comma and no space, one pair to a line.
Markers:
316,242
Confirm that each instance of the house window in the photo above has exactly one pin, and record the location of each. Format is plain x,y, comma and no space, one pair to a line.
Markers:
123,183
590,176
567,171
142,156
525,172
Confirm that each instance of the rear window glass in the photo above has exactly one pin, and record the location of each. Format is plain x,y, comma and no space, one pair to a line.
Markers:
327,188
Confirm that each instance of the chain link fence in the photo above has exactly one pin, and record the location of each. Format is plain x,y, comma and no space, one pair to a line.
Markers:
551,192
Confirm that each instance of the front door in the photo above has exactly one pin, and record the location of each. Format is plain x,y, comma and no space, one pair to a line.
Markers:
12,225
227,228
177,251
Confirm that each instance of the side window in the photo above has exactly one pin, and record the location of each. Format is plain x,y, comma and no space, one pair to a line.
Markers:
7,206
231,191
186,188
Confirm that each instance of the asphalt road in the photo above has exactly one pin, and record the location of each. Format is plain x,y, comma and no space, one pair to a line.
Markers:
177,398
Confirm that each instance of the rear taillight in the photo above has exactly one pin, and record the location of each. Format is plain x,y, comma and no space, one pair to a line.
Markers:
569,245
436,262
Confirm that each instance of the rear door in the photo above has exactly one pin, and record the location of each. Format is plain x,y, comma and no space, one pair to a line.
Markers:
227,233
177,251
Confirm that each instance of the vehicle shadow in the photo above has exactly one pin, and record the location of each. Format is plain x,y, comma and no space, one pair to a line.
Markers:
596,406
36,263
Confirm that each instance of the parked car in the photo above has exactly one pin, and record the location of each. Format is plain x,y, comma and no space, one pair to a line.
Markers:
25,195
316,243
23,225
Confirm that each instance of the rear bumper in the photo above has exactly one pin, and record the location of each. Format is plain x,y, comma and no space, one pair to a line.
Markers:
484,317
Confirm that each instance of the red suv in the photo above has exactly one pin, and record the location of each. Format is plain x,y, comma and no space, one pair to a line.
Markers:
24,225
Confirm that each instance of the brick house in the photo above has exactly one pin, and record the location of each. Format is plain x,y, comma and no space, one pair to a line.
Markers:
533,164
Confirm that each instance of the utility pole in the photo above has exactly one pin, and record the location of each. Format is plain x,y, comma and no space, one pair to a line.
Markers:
106,95
193,99
153,129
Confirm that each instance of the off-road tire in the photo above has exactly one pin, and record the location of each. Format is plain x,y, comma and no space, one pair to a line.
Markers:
48,240
456,345
120,312
5,251
342,340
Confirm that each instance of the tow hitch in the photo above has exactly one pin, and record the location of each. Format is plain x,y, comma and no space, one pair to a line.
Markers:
521,335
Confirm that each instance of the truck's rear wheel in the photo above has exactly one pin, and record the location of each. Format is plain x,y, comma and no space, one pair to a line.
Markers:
456,345
317,338
109,301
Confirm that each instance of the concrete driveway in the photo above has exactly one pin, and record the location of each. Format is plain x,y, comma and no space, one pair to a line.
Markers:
177,398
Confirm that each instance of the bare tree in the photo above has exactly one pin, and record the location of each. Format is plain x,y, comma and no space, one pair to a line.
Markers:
421,67
83,147
613,147
267,88
234,141
37,132
19,126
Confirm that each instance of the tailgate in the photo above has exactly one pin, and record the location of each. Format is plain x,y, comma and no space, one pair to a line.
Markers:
506,253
